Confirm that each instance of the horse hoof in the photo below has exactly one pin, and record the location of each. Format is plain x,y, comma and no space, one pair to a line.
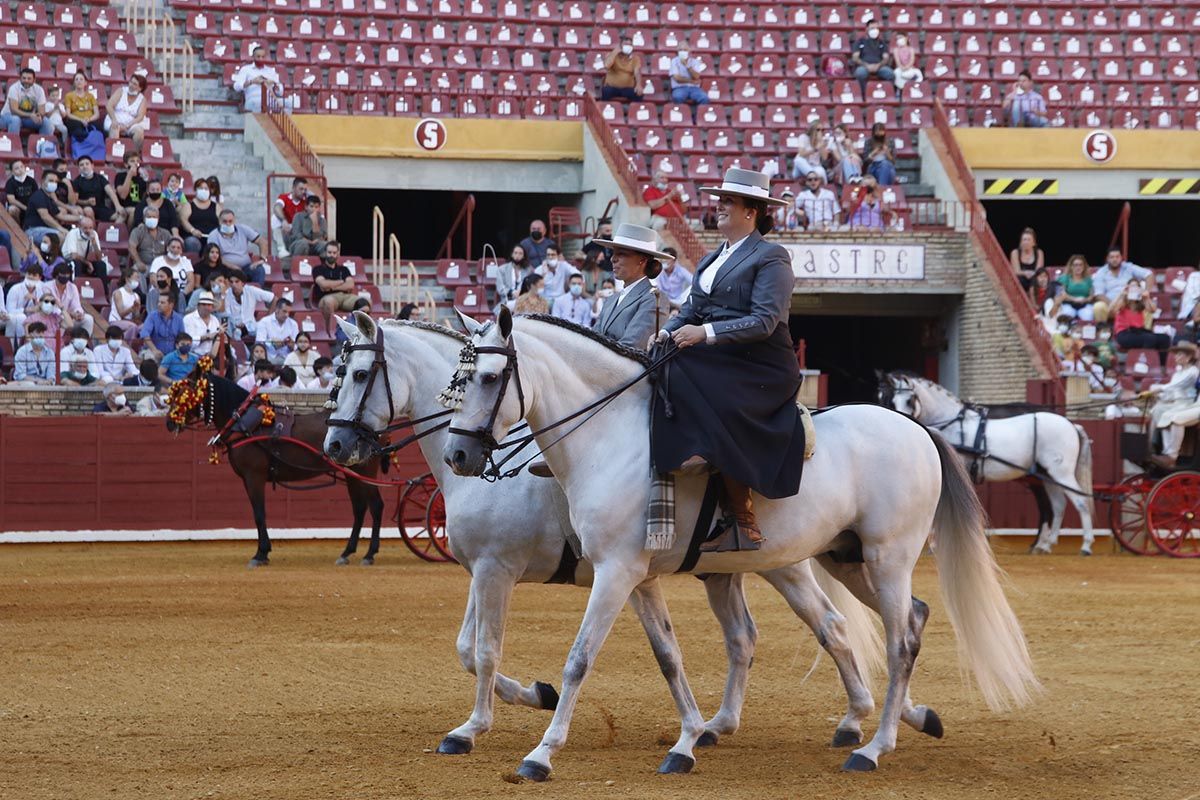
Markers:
454,746
547,696
533,771
1086,551
1041,550
858,763
707,739
676,764
342,561
369,561
932,725
846,738
258,562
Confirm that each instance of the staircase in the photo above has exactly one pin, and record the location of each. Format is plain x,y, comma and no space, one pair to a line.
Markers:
211,140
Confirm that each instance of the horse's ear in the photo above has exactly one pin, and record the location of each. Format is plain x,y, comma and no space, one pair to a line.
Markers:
470,324
348,328
365,324
505,321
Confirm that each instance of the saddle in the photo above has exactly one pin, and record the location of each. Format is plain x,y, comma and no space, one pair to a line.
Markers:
263,418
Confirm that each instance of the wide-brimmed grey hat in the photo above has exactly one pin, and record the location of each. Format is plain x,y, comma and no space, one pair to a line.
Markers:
638,239
745,183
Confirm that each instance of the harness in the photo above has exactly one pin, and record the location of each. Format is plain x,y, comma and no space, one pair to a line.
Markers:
978,450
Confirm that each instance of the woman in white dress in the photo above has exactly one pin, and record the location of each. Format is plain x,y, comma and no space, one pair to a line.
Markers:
127,112
1176,407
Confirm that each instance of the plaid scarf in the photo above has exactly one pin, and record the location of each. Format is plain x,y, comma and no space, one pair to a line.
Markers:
660,512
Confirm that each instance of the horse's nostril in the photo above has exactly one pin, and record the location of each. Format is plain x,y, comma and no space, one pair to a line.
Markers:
460,458
335,447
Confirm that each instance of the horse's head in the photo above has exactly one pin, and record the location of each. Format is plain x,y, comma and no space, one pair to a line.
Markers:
485,394
900,393
189,399
362,398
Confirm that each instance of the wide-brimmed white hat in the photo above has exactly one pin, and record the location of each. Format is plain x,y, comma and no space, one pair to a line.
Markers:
638,239
745,183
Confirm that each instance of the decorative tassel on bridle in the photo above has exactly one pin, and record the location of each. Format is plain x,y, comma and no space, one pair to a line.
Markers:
331,403
452,396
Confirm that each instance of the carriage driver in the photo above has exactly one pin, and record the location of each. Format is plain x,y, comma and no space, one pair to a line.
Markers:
733,387
1176,408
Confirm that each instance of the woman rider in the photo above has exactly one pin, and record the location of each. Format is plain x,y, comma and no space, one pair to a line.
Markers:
733,387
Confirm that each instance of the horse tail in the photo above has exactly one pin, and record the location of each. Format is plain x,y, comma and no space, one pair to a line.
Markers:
863,634
1083,466
991,644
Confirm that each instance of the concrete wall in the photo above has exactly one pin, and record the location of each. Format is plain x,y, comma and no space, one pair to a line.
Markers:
275,161
600,186
932,172
468,175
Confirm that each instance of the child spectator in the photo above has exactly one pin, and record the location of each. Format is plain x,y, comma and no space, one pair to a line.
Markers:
1045,294
906,62
1104,345
180,362
287,378
322,375
55,112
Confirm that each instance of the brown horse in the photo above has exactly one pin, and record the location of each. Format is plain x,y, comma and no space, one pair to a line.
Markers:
204,399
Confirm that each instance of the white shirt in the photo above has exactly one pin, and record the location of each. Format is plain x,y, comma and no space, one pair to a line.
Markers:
820,208
243,313
248,72
76,245
555,282
195,327
127,296
19,294
112,366
628,289
180,269
315,384
68,354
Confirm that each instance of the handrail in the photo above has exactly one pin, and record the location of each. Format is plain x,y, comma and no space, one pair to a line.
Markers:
394,270
467,212
1020,305
1121,231
277,112
378,238
158,36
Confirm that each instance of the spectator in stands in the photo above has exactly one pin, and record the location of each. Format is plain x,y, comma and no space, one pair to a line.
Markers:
1078,291
333,285
235,241
608,288
623,76
240,301
868,211
54,111
303,359
19,187
789,217
257,80
278,331
263,376
287,378
173,192
1024,107
215,284
23,107
1047,296
1133,321
168,219
665,201
510,275
126,304
1110,282
114,402
870,57
127,109
214,186
81,249
113,360
154,404
163,283
905,56
34,361
812,149
46,254
674,281
147,375
817,204
162,325
22,299
410,311
1104,344
322,379
287,206
597,259
75,345
363,305
68,297
530,300
202,325
43,214
180,361
180,267
1027,257
556,271
82,111
210,261
310,231
48,315
66,197
572,305
536,244
77,373
1191,295
95,194
131,185
148,242
845,163
685,79
878,157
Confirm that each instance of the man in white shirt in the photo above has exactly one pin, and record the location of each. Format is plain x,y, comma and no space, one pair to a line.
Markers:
572,305
77,347
556,273
202,325
240,301
22,300
818,204
82,243
675,281
257,79
278,332
685,78
113,362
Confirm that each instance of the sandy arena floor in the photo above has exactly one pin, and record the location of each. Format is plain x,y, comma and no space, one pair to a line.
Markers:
171,671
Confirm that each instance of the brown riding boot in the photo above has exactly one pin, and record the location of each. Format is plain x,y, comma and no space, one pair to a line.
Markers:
744,534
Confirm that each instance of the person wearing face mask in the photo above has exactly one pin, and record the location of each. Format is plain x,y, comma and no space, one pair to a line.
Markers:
557,273
685,72
162,281
623,73
115,402
78,374
198,218
126,304
607,290
148,241
113,361
154,404
235,241
44,215
34,360
146,377
303,359
75,345
866,208
870,57
322,380
202,325
510,275
179,362
69,299
572,305
127,112
48,314
241,298
81,249
180,266
878,156
257,80
597,259
536,244
22,299
93,191
665,201
1105,345
167,216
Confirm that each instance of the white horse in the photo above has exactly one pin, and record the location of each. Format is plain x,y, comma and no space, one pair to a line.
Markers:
876,488
1058,449
517,532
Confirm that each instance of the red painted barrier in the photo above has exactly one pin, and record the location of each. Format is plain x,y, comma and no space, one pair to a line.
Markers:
80,473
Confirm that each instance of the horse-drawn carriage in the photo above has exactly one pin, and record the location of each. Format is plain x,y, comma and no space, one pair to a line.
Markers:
1156,510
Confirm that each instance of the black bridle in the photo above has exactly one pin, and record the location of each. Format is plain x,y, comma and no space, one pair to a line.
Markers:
510,371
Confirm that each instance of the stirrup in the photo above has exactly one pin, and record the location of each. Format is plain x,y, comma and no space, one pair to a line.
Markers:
731,539
541,469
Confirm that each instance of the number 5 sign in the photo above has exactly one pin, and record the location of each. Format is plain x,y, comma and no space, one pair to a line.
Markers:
430,134
1100,147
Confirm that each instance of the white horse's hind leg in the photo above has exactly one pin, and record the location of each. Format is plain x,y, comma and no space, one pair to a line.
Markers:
727,599
806,599
1084,506
1058,503
1071,490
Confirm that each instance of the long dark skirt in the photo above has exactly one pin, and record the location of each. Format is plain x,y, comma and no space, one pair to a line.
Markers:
735,406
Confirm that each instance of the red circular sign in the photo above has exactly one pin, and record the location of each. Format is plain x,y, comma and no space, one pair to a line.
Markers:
430,134
1100,146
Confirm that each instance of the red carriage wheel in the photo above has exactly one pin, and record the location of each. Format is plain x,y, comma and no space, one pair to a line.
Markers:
1127,515
1173,513
435,525
410,516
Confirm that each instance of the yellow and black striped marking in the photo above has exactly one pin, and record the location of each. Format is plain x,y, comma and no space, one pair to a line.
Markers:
1169,186
1020,186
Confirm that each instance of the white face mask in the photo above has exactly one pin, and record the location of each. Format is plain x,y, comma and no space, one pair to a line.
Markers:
627,49
45,247
79,344
606,292
131,284
47,308
1064,328
202,194
326,374
1105,336
151,222
683,55
114,344
551,263
119,401
31,283
51,187
873,33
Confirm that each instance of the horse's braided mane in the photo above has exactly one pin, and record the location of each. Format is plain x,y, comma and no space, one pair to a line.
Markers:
428,326
933,386
640,356
226,394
